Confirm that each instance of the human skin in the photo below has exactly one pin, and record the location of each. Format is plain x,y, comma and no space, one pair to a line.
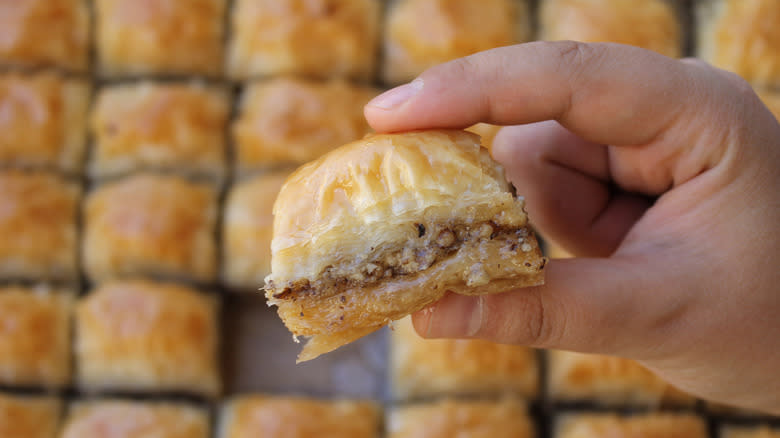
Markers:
662,177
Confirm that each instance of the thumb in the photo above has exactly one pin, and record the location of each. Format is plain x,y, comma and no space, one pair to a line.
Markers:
588,305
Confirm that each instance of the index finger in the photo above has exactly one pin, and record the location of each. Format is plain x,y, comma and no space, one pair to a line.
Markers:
606,93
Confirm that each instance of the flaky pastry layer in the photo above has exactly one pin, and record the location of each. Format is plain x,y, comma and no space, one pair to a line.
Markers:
385,226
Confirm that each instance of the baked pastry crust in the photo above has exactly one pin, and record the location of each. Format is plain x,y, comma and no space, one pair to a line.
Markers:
320,38
741,36
486,132
762,431
169,127
463,419
278,417
608,381
135,419
34,336
45,33
422,33
151,225
384,226
140,336
654,425
288,121
166,37
38,233
43,121
247,229
424,368
650,24
29,416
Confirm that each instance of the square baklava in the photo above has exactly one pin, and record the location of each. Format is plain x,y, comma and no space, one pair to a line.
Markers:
23,416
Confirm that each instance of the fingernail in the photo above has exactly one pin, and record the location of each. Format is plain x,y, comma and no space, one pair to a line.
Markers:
394,98
454,316
475,318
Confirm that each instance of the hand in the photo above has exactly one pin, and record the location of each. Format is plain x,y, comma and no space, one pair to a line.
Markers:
662,175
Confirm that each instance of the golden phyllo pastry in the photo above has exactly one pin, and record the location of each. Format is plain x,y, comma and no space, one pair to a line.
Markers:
140,336
654,425
290,417
135,419
433,367
34,336
761,431
38,233
247,231
167,37
44,33
43,121
165,127
422,33
153,226
384,226
288,121
741,36
463,419
650,24
607,380
316,38
29,417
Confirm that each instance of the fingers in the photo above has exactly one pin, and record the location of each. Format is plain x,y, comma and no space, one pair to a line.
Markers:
565,182
606,93
585,305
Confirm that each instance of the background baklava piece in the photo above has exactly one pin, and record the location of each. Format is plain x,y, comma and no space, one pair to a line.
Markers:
287,122
282,417
422,33
160,126
151,225
742,36
35,336
163,37
425,368
29,416
650,24
247,230
139,336
772,101
755,431
38,232
135,419
609,381
44,33
463,419
43,121
653,425
317,38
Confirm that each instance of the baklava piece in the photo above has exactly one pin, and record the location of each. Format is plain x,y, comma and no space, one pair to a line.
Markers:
486,132
135,419
653,425
45,33
166,127
315,38
650,24
424,368
772,101
422,33
288,122
38,231
384,226
29,416
608,381
35,336
137,336
463,419
138,37
741,36
43,121
282,417
153,226
247,231
759,431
